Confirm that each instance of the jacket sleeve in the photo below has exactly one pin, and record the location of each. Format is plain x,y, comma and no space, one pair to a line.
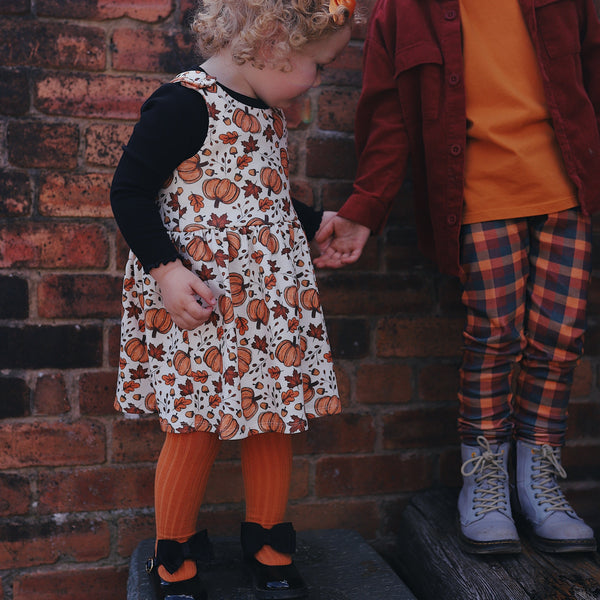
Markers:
380,133
590,56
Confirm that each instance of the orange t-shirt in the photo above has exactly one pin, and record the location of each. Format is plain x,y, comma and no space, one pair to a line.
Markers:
513,165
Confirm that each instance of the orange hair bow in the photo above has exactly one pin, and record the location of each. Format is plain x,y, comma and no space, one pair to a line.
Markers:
349,5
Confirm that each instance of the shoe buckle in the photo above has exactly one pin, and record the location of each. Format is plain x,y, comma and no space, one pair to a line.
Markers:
150,564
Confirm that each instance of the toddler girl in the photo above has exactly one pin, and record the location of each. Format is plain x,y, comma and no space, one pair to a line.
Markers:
222,330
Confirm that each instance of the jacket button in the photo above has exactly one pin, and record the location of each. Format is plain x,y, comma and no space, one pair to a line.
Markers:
454,79
455,149
451,219
450,15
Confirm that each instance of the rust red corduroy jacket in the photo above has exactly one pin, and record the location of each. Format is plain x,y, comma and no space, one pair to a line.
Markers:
413,103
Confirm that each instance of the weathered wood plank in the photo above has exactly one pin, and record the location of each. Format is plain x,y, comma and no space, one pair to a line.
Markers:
434,566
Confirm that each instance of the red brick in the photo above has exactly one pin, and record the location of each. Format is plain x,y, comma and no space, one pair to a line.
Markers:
93,96
450,463
42,145
51,444
50,397
15,194
377,474
188,8
331,157
334,194
340,434
374,293
44,541
220,521
38,245
346,69
298,113
422,337
52,45
14,92
99,584
131,530
140,10
438,382
14,7
96,488
72,296
114,336
420,427
362,516
582,379
337,109
584,416
15,494
303,192
151,50
135,440
387,383
75,195
103,143
582,460
97,393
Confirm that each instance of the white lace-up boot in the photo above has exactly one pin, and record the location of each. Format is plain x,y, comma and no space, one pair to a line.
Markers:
486,524
552,524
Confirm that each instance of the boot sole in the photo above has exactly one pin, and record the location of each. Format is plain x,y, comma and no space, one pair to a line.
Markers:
560,546
492,547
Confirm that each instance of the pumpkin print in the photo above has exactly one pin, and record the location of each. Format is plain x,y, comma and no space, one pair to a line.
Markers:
158,320
137,350
270,421
271,180
327,405
220,190
226,308
256,365
245,121
182,362
258,312
199,250
190,170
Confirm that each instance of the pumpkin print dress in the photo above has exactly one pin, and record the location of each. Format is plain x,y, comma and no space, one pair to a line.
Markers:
262,363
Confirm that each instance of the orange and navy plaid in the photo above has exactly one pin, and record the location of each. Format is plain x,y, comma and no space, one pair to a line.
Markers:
525,290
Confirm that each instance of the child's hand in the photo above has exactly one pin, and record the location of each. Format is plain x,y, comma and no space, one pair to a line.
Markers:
328,215
341,242
181,291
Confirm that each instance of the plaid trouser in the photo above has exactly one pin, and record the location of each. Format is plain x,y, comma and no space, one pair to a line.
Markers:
525,291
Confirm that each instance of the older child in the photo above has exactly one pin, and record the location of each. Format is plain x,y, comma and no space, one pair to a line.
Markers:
498,105
222,332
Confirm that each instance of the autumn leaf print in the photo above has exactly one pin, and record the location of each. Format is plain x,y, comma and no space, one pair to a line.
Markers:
297,424
133,310
174,203
221,258
182,403
265,204
274,372
289,396
186,388
196,201
230,137
270,281
213,111
294,379
169,379
269,131
280,311
251,189
130,386
250,146
257,256
129,283
218,222
293,324
214,400
201,376
229,375
260,343
206,274
243,161
139,373
328,357
315,331
156,352
218,385
273,265
242,325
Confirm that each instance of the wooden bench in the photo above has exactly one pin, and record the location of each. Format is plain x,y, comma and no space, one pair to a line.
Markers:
433,565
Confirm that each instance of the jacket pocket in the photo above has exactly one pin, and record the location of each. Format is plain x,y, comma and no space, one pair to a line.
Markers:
418,73
558,26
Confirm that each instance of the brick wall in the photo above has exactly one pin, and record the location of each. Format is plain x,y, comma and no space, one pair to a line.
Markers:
76,478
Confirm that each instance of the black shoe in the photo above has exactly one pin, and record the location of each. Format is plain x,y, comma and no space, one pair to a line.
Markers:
276,582
171,555
272,582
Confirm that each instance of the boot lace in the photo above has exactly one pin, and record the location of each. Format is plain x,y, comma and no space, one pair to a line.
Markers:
547,490
490,477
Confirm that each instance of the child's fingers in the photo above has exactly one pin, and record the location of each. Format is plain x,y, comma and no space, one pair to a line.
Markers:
324,234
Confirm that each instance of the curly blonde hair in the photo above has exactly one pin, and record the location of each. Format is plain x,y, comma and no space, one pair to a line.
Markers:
263,31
